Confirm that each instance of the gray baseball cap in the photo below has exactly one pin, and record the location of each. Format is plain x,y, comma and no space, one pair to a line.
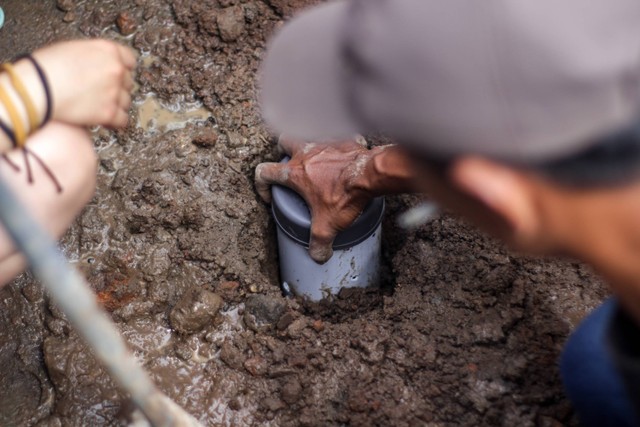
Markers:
525,80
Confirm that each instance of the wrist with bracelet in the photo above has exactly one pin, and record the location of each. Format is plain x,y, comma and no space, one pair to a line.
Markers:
17,131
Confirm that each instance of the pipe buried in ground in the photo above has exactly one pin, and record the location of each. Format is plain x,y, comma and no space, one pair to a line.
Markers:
356,250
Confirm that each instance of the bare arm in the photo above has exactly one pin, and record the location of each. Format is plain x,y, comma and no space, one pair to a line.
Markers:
89,83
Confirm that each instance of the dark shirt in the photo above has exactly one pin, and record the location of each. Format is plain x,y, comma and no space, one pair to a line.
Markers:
624,337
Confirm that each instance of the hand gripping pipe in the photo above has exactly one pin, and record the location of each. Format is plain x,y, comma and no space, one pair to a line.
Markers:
71,293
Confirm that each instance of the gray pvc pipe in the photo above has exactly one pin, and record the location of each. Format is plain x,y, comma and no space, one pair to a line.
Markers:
71,293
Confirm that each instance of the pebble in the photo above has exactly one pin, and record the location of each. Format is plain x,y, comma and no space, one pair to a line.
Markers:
32,292
262,312
69,17
126,23
234,404
66,5
206,138
57,326
194,311
230,355
183,351
318,325
229,286
235,140
231,23
285,320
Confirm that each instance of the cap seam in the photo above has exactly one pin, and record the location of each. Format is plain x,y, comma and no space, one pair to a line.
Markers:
497,48
348,57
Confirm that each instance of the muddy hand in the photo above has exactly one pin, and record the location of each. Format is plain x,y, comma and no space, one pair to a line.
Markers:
90,81
328,176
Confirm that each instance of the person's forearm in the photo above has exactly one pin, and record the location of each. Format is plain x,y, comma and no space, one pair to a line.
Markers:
389,170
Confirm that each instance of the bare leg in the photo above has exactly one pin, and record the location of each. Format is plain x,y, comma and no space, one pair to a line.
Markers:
68,153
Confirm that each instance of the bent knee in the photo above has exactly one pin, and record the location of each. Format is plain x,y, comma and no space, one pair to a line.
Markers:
67,153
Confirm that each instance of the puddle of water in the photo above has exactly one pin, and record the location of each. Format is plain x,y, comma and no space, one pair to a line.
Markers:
147,60
153,116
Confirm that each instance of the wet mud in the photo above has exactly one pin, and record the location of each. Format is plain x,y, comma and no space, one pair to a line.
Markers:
181,252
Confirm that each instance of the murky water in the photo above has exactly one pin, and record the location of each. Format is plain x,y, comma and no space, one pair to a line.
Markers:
153,116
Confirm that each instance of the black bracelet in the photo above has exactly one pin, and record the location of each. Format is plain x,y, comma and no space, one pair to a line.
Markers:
45,84
10,134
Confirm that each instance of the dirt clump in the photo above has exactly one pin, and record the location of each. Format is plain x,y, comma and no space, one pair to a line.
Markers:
126,23
231,23
195,310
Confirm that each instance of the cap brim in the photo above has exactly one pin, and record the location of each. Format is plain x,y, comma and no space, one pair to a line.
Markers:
303,77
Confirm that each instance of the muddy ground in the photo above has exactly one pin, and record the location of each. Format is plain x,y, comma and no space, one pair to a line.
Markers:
463,331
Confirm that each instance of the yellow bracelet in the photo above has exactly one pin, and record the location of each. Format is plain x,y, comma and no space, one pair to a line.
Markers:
14,116
32,112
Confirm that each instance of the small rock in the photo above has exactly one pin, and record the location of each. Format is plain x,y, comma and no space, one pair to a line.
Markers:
285,320
194,311
206,138
229,286
291,391
231,23
69,17
183,351
228,290
230,355
262,312
57,326
256,366
235,140
66,5
126,23
108,164
234,404
318,325
32,292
